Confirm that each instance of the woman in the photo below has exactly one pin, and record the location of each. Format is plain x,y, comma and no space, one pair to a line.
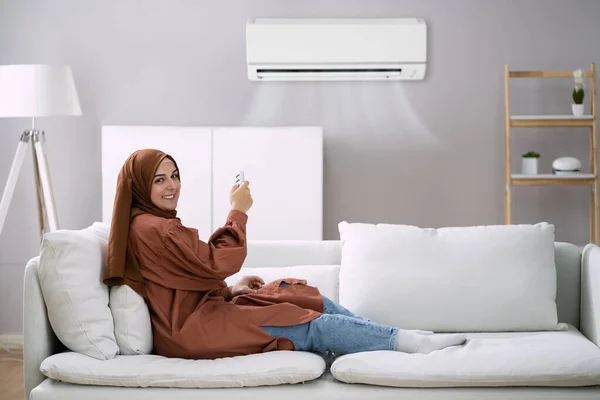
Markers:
194,313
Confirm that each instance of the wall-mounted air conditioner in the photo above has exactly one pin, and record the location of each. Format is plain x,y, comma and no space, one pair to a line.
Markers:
292,49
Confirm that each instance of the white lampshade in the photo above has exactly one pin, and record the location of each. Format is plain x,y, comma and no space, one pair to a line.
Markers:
37,91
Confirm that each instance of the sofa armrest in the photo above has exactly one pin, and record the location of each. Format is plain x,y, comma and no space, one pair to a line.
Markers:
39,341
590,293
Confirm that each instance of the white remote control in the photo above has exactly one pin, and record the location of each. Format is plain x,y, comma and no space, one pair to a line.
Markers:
239,177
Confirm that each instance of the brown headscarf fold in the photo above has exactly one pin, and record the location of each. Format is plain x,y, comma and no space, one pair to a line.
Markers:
132,198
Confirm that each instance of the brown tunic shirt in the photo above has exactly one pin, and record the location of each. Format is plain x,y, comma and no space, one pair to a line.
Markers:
192,311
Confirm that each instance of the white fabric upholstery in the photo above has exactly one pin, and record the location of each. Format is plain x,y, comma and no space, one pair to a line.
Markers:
284,253
324,277
463,279
567,258
272,368
325,387
590,293
488,359
40,342
70,275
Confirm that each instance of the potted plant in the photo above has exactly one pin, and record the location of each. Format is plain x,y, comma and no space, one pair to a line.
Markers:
530,163
578,93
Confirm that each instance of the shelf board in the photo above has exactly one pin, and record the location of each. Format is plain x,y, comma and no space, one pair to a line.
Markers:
546,74
535,117
525,121
552,179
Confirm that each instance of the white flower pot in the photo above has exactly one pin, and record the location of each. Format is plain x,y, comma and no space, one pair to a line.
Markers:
530,165
577,109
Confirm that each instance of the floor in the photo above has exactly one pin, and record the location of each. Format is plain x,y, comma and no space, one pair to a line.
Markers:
11,374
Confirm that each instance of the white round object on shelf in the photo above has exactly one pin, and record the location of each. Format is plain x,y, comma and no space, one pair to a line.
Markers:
566,165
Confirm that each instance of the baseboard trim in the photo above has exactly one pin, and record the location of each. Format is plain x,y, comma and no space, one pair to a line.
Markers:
12,342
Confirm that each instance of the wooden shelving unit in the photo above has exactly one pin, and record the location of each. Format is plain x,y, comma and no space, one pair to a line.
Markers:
538,121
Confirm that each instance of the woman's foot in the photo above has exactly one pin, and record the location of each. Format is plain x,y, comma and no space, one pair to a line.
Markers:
417,342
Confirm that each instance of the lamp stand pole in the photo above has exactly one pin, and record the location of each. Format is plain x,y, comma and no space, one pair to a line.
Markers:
47,215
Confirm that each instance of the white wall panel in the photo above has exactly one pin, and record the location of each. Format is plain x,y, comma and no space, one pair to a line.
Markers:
190,146
283,164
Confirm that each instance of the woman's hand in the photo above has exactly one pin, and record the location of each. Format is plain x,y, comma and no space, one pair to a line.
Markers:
248,284
240,197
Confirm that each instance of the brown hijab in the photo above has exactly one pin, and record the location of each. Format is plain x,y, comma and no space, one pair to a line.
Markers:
132,198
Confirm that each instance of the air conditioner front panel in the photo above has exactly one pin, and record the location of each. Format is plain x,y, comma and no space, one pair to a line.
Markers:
336,41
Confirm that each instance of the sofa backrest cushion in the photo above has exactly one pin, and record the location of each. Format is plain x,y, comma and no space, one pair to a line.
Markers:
133,328
284,253
269,260
324,277
70,274
456,279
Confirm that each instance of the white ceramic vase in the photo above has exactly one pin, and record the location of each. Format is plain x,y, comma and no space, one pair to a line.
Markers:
577,109
530,165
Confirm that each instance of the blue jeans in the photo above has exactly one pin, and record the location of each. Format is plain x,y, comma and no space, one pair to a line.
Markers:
338,331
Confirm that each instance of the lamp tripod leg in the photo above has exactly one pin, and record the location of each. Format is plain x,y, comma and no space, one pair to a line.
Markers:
13,175
41,207
44,171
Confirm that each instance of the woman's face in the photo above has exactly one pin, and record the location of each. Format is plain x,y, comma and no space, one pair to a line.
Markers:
166,186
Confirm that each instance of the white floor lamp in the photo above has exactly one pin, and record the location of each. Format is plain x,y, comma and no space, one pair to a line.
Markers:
33,91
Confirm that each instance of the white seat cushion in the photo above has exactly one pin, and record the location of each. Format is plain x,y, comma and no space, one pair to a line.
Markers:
455,279
272,368
564,358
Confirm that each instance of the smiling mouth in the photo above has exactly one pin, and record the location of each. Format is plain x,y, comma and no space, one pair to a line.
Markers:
170,197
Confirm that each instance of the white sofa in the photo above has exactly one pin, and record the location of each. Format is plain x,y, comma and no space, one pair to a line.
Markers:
498,362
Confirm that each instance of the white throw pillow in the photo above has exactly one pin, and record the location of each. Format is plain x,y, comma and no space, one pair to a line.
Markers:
133,327
70,274
461,279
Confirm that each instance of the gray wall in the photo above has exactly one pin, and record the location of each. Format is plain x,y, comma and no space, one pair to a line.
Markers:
429,153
